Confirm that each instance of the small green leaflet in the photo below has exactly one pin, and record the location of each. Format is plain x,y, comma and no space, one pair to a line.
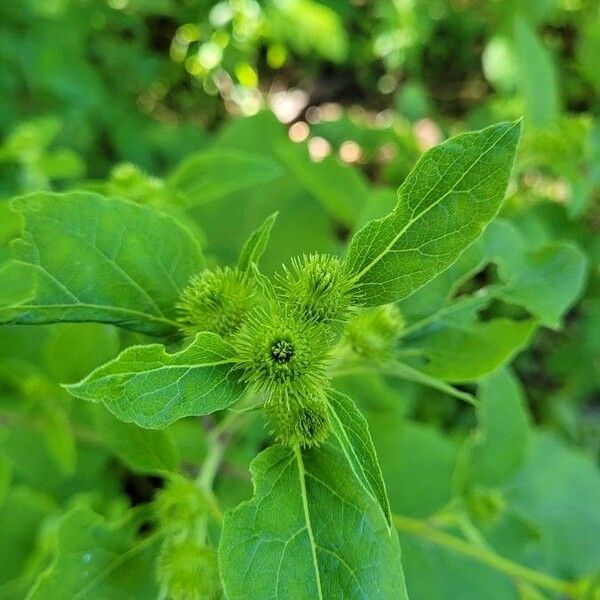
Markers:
459,351
211,175
497,448
146,386
453,192
352,432
256,245
98,259
310,532
536,75
548,282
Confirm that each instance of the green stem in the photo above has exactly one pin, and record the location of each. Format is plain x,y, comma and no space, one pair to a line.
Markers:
218,440
423,530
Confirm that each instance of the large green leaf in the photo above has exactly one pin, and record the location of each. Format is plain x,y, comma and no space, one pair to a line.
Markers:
443,205
437,573
352,432
97,560
99,259
22,513
151,388
17,286
213,174
310,531
558,490
341,189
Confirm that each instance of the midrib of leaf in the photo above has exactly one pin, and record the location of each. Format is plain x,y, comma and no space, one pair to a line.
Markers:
112,376
311,537
410,223
105,307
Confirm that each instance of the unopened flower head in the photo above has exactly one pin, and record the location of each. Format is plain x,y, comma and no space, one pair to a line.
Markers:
216,301
299,420
179,505
188,570
316,286
373,333
281,353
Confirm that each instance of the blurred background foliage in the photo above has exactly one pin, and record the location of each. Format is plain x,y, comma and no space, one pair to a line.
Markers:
221,113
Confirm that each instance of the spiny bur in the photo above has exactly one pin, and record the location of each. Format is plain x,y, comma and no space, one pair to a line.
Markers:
216,301
296,420
281,353
285,357
188,570
315,285
179,505
373,333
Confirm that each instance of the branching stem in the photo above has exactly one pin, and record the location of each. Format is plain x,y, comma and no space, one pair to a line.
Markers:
487,557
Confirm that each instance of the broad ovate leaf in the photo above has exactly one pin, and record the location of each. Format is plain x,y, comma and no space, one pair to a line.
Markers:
151,388
557,489
17,287
352,433
417,462
453,192
100,259
341,189
24,511
309,532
